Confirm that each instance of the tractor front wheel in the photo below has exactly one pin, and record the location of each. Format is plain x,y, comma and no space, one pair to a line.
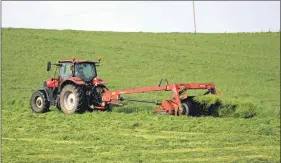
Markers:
72,99
39,102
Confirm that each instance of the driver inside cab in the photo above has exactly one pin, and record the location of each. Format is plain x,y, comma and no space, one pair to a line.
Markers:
80,72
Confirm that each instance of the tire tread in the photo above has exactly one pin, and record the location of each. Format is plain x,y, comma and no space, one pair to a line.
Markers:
46,103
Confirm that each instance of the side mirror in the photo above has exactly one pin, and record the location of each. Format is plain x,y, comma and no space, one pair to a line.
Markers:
49,66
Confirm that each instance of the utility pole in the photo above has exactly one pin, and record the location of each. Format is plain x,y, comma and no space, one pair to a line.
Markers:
194,17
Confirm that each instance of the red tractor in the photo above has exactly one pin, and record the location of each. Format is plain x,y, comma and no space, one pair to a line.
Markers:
77,89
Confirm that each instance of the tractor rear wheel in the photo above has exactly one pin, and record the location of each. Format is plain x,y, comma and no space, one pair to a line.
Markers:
72,99
39,102
58,103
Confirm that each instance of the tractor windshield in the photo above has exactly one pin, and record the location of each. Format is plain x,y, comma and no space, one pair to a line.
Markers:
85,71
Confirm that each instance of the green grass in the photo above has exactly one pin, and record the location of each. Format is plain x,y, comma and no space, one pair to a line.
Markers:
244,66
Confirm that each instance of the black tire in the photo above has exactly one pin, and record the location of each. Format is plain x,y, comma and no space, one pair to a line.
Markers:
39,102
108,107
58,103
190,107
186,106
72,100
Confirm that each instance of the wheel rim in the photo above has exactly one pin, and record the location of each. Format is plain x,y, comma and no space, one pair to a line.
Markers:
39,102
69,101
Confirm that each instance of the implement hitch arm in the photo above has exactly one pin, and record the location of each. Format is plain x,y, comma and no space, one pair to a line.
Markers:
145,101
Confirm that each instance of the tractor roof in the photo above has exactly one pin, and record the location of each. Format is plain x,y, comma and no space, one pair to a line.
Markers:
76,61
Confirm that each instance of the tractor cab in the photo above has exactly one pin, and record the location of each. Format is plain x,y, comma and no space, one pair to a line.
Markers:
86,71
81,70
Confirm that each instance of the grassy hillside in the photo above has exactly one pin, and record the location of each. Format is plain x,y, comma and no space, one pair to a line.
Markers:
243,66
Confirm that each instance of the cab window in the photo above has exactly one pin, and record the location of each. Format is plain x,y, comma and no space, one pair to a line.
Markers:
65,71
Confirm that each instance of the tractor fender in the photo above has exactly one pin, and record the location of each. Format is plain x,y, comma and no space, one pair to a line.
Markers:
73,80
98,81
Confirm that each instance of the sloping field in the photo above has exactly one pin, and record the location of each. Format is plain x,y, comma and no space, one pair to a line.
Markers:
243,66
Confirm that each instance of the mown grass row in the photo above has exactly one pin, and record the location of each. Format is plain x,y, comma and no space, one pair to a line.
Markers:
136,137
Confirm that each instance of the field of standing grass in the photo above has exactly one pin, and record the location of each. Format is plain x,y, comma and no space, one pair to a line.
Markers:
244,66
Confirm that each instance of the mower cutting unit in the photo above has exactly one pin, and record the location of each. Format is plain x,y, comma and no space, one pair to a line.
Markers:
77,89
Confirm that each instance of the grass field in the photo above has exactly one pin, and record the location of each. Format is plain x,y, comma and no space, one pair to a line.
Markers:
244,66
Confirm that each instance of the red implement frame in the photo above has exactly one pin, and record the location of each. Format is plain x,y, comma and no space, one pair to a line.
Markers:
172,106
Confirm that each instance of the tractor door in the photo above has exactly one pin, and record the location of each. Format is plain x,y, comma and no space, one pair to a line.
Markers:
65,71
